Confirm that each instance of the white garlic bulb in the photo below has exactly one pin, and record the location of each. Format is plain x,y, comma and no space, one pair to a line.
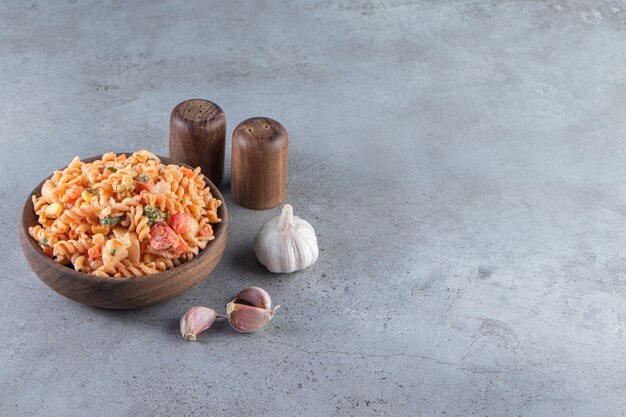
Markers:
286,243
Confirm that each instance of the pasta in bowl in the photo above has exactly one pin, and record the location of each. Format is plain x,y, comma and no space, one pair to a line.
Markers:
138,222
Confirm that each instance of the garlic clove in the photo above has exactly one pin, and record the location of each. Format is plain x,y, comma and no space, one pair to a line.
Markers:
286,243
248,319
195,321
256,297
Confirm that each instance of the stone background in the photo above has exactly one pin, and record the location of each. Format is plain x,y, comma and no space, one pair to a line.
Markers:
463,163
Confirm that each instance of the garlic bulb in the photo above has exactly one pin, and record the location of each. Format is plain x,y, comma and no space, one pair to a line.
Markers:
286,243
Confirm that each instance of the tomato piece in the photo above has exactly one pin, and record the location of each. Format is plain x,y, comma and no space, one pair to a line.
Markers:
185,225
144,185
74,192
71,195
163,237
94,252
180,222
206,230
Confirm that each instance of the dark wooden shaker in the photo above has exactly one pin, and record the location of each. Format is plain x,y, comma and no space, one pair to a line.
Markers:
198,137
259,163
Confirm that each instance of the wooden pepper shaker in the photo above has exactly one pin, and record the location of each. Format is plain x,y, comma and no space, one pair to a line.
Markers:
198,137
259,163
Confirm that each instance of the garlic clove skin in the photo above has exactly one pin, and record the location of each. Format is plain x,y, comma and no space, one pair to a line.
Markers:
248,319
256,297
286,243
195,321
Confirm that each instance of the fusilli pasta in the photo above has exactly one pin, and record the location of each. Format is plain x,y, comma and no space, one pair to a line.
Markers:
124,216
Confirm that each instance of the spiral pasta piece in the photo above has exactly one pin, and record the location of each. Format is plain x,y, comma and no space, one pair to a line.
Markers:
68,247
139,223
80,262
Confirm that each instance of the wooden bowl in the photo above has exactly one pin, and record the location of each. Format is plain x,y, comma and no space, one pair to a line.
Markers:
109,292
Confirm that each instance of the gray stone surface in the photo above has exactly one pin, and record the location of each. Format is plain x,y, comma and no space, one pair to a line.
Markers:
463,163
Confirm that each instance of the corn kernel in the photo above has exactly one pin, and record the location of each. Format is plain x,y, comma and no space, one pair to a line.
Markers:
100,228
54,210
127,180
87,196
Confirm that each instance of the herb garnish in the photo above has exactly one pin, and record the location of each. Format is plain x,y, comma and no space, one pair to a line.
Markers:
110,221
154,215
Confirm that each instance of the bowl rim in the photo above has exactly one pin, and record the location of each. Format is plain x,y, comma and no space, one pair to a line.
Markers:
220,230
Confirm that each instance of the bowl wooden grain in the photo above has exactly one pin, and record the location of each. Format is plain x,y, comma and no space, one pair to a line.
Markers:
122,293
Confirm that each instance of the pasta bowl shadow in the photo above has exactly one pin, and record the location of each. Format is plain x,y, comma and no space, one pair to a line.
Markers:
122,293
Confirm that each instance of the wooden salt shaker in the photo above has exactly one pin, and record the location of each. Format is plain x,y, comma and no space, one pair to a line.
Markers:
198,137
259,163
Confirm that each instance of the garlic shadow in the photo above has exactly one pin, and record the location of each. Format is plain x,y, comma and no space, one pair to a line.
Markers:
244,260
